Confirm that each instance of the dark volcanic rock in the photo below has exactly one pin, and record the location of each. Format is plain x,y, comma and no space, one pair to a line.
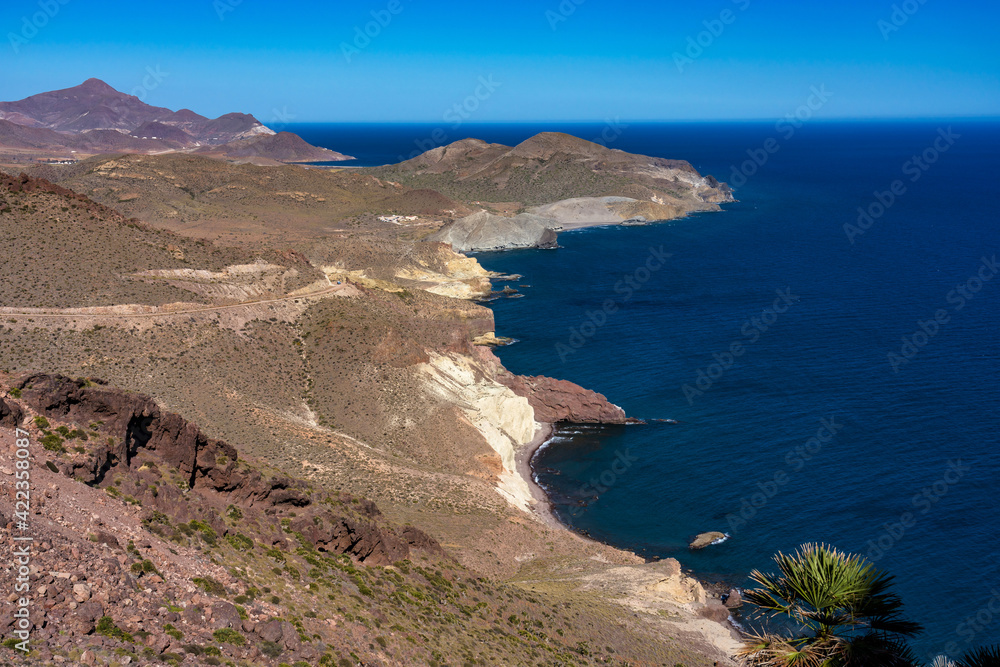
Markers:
364,540
225,615
563,401
11,414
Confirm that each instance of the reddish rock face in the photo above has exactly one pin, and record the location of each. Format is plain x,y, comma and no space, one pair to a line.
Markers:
142,433
562,401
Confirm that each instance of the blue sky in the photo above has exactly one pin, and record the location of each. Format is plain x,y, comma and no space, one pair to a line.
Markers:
546,60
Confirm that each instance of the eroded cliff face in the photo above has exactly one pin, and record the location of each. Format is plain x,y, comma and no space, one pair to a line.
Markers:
505,420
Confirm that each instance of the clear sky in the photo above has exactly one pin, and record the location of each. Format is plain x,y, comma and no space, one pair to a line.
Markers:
545,60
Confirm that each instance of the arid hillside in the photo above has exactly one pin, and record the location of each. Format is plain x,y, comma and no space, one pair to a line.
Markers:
331,348
159,544
550,167
199,196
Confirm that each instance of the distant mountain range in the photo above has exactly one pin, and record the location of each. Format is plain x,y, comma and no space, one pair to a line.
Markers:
95,118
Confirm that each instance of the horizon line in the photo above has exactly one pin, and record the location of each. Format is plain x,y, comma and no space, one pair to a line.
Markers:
592,121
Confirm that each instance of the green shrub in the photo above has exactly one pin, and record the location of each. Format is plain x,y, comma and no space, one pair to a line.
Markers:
234,513
53,443
270,649
15,392
173,632
145,567
229,636
239,541
106,626
41,422
209,585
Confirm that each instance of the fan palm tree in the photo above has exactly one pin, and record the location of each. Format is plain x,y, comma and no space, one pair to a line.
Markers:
840,608
988,656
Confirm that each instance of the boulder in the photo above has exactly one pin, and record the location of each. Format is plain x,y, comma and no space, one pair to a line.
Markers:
270,631
11,414
225,615
734,599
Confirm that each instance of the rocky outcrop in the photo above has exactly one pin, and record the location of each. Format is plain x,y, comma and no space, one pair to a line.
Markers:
362,539
563,401
141,441
11,414
486,231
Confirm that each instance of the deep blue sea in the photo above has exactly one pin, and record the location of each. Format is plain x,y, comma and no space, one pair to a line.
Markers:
824,389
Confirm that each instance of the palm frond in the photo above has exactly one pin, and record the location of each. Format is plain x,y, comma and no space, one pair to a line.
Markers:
987,656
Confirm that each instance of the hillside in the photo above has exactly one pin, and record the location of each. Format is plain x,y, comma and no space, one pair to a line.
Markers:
94,118
174,548
329,347
550,167
73,252
242,203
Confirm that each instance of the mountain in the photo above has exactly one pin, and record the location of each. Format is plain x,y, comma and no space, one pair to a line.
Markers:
84,117
553,181
552,166
282,147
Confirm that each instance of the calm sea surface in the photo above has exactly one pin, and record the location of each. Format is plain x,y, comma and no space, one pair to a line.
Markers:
824,389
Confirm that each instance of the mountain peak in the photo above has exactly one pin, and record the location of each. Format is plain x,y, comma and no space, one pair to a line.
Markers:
97,86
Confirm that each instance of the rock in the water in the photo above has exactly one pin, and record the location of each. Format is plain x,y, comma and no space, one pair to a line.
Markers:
486,231
705,539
